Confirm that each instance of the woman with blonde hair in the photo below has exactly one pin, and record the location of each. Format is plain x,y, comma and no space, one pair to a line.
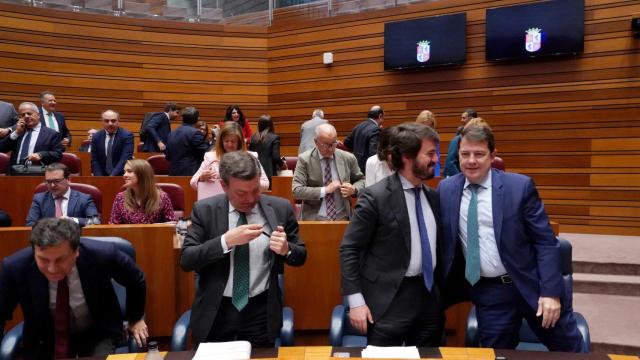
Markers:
426,117
207,179
142,202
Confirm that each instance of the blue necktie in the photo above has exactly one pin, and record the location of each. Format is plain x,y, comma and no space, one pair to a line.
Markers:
427,263
472,268
240,296
24,149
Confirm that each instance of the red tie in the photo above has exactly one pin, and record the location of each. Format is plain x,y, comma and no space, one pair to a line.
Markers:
62,320
59,206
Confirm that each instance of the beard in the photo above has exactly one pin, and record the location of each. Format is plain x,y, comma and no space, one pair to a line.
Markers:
423,172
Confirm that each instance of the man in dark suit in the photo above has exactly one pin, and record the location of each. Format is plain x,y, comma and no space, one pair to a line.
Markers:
30,140
61,200
186,145
8,118
238,297
111,147
363,140
159,127
391,251
52,119
498,222
63,286
86,144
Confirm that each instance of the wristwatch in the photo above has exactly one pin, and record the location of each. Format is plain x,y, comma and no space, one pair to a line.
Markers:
288,254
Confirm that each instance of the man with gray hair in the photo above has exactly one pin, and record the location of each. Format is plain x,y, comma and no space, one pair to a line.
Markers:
30,140
238,243
308,128
53,119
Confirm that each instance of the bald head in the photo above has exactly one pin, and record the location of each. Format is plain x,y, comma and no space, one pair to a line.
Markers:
326,140
326,130
376,113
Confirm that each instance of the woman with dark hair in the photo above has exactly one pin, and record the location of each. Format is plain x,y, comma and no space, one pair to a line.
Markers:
378,165
267,144
142,202
236,115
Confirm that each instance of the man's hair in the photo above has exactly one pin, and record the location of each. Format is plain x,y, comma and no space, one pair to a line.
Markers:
323,128
406,140
113,111
375,112
239,165
45,93
33,106
53,231
171,107
58,166
471,113
318,113
190,115
479,133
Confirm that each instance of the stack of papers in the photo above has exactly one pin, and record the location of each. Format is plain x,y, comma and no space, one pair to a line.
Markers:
231,350
391,352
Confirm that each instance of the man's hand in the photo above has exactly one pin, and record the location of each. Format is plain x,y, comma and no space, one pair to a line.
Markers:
5,132
161,146
329,189
242,234
139,332
549,308
65,142
278,241
34,157
21,127
359,317
346,189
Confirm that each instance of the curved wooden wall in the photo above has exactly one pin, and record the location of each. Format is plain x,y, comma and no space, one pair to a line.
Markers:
572,123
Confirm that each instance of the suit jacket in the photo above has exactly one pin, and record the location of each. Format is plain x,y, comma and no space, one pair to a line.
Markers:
48,146
122,149
376,247
80,206
528,248
8,115
363,141
185,150
202,252
308,133
158,129
22,283
308,180
268,153
62,125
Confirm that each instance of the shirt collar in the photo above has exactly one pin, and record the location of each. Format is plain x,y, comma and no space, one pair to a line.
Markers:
485,183
321,157
253,211
406,184
66,195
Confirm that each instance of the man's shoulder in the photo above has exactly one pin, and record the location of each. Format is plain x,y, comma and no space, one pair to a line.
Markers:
345,155
80,195
451,181
123,132
275,201
19,260
211,202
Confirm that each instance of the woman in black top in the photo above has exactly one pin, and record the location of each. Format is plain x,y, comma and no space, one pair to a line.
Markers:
267,144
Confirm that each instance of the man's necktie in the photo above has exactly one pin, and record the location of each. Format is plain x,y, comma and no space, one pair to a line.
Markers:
59,206
52,123
472,268
24,149
109,161
240,296
62,320
330,200
427,262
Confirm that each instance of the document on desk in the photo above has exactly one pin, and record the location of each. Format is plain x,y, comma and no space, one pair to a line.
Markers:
391,352
231,350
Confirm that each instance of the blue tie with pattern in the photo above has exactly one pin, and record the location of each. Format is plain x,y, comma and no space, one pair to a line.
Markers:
472,268
24,149
427,262
240,297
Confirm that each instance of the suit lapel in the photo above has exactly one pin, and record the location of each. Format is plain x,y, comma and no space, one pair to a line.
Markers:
49,205
221,214
497,196
39,289
270,217
456,196
73,201
399,207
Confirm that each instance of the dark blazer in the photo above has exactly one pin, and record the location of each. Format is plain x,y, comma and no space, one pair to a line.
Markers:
80,206
376,247
363,141
268,152
203,253
8,115
158,129
48,146
122,151
528,248
185,150
22,283
62,125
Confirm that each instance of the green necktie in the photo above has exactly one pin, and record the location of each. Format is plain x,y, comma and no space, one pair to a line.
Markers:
472,268
52,125
240,296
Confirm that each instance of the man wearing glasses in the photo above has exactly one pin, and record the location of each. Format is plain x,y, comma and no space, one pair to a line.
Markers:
60,200
325,178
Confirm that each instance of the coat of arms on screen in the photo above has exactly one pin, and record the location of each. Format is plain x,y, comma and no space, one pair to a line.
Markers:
533,40
424,50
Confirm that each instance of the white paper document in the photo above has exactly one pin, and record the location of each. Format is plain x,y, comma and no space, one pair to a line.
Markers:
231,350
391,352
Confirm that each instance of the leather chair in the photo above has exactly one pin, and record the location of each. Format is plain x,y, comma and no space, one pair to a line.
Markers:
11,342
4,163
73,162
176,194
290,162
341,333
528,340
179,335
497,163
90,190
159,163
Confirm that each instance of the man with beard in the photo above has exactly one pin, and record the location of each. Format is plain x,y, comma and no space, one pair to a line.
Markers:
390,253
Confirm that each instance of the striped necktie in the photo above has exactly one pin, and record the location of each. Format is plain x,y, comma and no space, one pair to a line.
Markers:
241,269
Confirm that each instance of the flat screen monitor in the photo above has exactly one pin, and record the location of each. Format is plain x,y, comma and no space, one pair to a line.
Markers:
541,29
427,42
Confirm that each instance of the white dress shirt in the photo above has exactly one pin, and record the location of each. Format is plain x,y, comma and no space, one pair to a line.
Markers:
32,143
338,203
65,204
376,170
45,113
81,318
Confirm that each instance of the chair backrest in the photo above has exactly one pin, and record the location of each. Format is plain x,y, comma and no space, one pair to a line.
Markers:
497,163
341,333
4,163
73,162
291,162
343,147
176,194
159,163
90,190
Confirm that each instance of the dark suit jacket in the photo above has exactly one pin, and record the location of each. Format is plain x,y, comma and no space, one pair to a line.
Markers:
203,253
528,248
158,129
122,151
376,247
80,206
22,283
363,141
48,146
8,115
185,150
62,125
268,152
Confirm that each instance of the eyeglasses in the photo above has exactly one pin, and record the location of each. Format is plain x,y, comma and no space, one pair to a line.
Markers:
54,181
327,146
